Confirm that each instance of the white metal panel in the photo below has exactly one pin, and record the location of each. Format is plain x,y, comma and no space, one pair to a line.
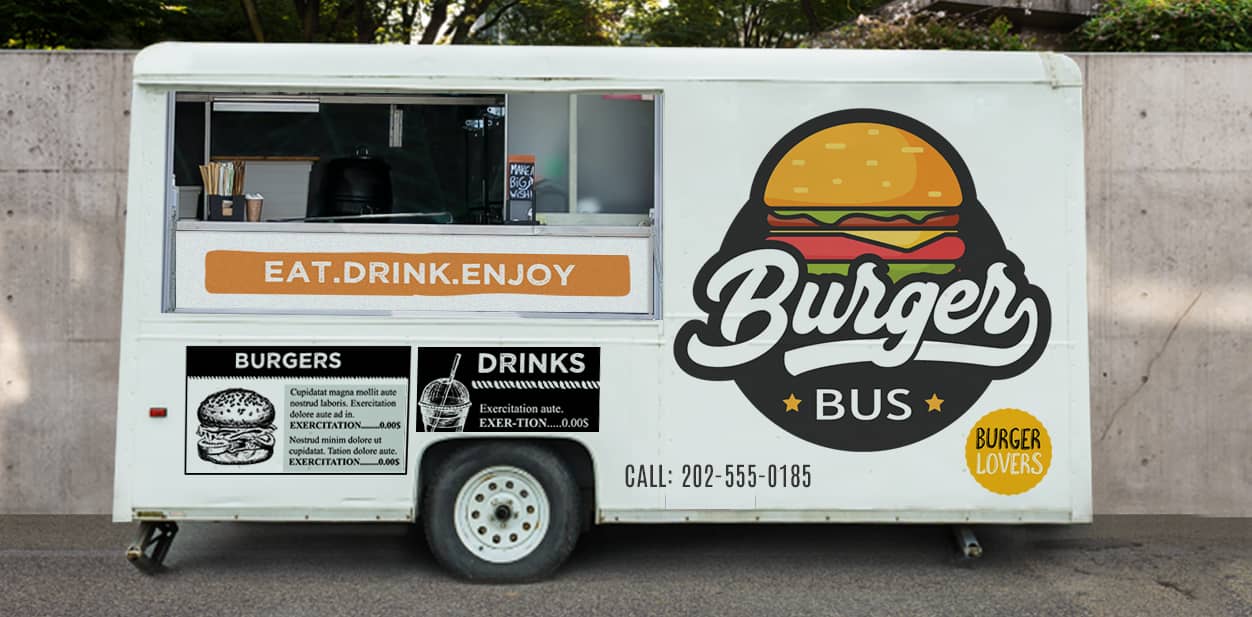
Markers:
1019,135
1019,143
627,432
483,68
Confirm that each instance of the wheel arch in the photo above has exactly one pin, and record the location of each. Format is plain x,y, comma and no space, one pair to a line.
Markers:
574,453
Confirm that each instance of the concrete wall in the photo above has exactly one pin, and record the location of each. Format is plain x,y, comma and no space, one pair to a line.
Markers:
1169,164
64,121
1169,227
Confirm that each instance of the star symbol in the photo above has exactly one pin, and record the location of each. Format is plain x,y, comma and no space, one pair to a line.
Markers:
934,403
792,403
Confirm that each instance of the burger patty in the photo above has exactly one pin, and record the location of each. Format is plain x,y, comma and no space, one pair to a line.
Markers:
216,440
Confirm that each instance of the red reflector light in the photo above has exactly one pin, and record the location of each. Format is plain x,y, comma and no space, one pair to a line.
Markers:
156,412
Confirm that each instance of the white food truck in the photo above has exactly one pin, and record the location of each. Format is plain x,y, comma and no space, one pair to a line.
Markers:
509,293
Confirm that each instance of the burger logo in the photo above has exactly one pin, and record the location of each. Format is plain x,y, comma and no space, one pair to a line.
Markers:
236,427
863,299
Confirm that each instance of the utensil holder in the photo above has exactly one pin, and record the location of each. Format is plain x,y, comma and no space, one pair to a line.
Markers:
217,208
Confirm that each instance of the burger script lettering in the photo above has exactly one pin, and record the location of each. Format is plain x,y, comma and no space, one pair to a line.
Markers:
863,299
893,322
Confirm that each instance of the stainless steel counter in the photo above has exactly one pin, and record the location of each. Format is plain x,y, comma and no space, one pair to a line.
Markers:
383,228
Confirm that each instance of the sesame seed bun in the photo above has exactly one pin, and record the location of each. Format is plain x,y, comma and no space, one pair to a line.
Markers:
858,189
863,165
236,408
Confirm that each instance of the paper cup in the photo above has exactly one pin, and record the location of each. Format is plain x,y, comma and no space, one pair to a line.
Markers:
254,209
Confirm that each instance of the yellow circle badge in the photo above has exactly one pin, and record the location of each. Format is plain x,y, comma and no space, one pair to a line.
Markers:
1008,451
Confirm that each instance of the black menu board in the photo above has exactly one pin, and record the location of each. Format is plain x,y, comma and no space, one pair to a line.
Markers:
521,177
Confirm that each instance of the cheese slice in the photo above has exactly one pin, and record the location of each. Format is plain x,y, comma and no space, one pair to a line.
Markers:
903,238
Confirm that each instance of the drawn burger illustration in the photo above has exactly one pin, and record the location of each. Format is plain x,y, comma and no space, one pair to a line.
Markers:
863,298
236,427
866,188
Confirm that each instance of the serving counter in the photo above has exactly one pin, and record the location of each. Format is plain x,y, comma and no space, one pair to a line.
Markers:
640,231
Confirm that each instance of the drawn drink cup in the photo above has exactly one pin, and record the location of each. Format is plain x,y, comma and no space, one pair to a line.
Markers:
445,403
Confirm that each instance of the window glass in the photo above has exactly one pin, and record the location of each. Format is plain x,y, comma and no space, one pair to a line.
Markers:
440,159
188,142
615,154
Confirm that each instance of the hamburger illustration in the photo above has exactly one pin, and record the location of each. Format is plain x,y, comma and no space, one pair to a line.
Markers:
842,189
865,188
236,427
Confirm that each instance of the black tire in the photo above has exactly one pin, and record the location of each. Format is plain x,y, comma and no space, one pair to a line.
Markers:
438,511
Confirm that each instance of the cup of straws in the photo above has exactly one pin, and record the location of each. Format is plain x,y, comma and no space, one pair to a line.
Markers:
223,190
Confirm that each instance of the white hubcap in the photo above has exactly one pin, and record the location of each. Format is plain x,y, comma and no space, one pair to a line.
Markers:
501,514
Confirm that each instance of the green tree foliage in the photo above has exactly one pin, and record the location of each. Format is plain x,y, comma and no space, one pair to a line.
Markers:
135,23
557,22
927,30
78,23
226,20
704,23
1168,25
130,24
742,23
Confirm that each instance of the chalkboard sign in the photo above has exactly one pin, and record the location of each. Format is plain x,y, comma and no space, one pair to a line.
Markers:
521,177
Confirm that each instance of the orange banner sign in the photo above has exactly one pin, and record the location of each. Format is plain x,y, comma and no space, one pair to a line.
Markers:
415,274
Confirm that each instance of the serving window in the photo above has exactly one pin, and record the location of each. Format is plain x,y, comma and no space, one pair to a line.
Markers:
546,158
523,202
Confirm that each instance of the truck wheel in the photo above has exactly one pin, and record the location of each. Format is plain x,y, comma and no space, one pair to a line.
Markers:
501,512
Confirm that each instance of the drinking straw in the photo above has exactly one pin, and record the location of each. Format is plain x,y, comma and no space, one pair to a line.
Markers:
451,378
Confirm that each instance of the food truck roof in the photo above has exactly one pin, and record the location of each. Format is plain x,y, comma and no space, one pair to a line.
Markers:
394,66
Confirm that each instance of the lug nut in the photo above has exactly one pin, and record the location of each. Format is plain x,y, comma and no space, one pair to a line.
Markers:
474,514
512,537
495,539
508,484
482,530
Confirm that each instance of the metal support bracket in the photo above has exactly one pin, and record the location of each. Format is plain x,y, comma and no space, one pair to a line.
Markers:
151,544
967,542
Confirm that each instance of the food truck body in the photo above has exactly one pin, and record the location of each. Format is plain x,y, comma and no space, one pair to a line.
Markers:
507,292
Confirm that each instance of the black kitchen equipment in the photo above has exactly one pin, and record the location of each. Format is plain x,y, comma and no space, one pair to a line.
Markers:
355,185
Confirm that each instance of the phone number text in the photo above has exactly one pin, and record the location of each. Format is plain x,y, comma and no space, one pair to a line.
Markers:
707,475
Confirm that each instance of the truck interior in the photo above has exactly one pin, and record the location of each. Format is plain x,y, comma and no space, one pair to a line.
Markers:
528,158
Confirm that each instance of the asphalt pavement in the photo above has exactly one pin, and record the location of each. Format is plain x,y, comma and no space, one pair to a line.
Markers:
1138,566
